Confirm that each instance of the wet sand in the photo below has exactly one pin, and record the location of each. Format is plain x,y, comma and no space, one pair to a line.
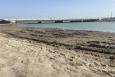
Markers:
45,52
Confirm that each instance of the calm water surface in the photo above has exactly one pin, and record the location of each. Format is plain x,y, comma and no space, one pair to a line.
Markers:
93,26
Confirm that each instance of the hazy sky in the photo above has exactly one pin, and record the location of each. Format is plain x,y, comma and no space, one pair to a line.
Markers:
56,8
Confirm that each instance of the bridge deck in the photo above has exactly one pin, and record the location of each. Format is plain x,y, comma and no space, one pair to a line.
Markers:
57,21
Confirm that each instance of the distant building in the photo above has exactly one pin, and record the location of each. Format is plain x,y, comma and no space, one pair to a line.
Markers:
4,21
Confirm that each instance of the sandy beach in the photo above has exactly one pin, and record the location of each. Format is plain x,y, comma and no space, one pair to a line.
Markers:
46,52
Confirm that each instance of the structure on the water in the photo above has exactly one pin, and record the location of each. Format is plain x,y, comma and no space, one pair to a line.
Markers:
108,19
36,21
30,21
4,21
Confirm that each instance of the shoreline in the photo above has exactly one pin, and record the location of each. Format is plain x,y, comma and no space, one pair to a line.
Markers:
21,26
47,52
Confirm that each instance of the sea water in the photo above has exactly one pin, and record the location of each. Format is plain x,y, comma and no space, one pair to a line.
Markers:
92,26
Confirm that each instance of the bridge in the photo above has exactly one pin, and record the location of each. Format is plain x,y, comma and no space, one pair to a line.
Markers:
32,21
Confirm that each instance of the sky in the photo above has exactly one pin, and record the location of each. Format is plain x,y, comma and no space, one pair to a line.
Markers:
56,8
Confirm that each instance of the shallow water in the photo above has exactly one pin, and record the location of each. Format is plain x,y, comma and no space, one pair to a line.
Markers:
93,26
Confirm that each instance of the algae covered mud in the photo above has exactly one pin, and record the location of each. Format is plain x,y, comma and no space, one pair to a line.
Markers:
50,52
92,26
